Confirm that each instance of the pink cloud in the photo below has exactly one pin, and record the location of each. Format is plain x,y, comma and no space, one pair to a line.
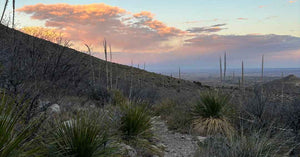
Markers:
242,18
92,23
293,1
141,37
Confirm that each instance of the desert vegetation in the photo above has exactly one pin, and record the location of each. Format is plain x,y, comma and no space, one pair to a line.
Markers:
56,101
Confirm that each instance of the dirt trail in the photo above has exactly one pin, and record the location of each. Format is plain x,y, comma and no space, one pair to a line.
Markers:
176,144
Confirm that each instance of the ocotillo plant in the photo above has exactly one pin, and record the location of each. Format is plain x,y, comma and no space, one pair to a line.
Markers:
106,65
179,81
111,70
4,9
242,73
262,68
130,89
144,65
262,76
220,68
224,67
91,64
282,86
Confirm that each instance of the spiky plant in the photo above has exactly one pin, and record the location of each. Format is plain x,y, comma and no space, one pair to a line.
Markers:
135,122
136,128
212,113
80,137
257,144
15,139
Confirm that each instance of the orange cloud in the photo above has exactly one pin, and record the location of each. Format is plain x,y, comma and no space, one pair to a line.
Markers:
292,1
262,6
92,23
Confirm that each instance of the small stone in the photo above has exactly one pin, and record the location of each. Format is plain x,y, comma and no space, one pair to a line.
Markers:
55,108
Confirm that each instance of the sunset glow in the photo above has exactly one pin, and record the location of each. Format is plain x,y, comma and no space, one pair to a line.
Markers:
175,32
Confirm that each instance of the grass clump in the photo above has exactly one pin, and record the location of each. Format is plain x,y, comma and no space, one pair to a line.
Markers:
256,144
136,128
211,114
15,138
136,122
176,114
80,137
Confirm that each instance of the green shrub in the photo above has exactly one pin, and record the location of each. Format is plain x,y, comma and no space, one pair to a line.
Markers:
80,137
212,113
15,138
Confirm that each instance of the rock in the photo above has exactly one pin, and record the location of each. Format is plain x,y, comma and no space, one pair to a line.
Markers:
55,108
201,139
43,105
128,150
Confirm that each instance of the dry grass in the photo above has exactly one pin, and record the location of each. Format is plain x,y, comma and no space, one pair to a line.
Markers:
211,115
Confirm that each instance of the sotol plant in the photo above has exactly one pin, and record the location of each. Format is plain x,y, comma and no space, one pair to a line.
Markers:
212,113
136,128
80,137
15,139
135,122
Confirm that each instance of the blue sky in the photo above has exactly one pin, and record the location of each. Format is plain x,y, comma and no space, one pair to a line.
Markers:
274,16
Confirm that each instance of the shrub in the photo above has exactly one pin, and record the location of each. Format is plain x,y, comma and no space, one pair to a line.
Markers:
15,139
212,113
80,137
136,128
118,98
135,122
257,144
176,114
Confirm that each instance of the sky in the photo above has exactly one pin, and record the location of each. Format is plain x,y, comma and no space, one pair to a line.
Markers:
167,34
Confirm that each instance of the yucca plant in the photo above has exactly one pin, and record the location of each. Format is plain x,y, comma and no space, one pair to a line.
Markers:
212,113
15,139
135,122
136,128
80,137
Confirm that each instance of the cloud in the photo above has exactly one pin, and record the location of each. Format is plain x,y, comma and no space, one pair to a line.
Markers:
262,6
209,29
293,1
142,38
92,23
242,18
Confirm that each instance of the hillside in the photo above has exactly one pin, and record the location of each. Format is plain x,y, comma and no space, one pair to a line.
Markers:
55,69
